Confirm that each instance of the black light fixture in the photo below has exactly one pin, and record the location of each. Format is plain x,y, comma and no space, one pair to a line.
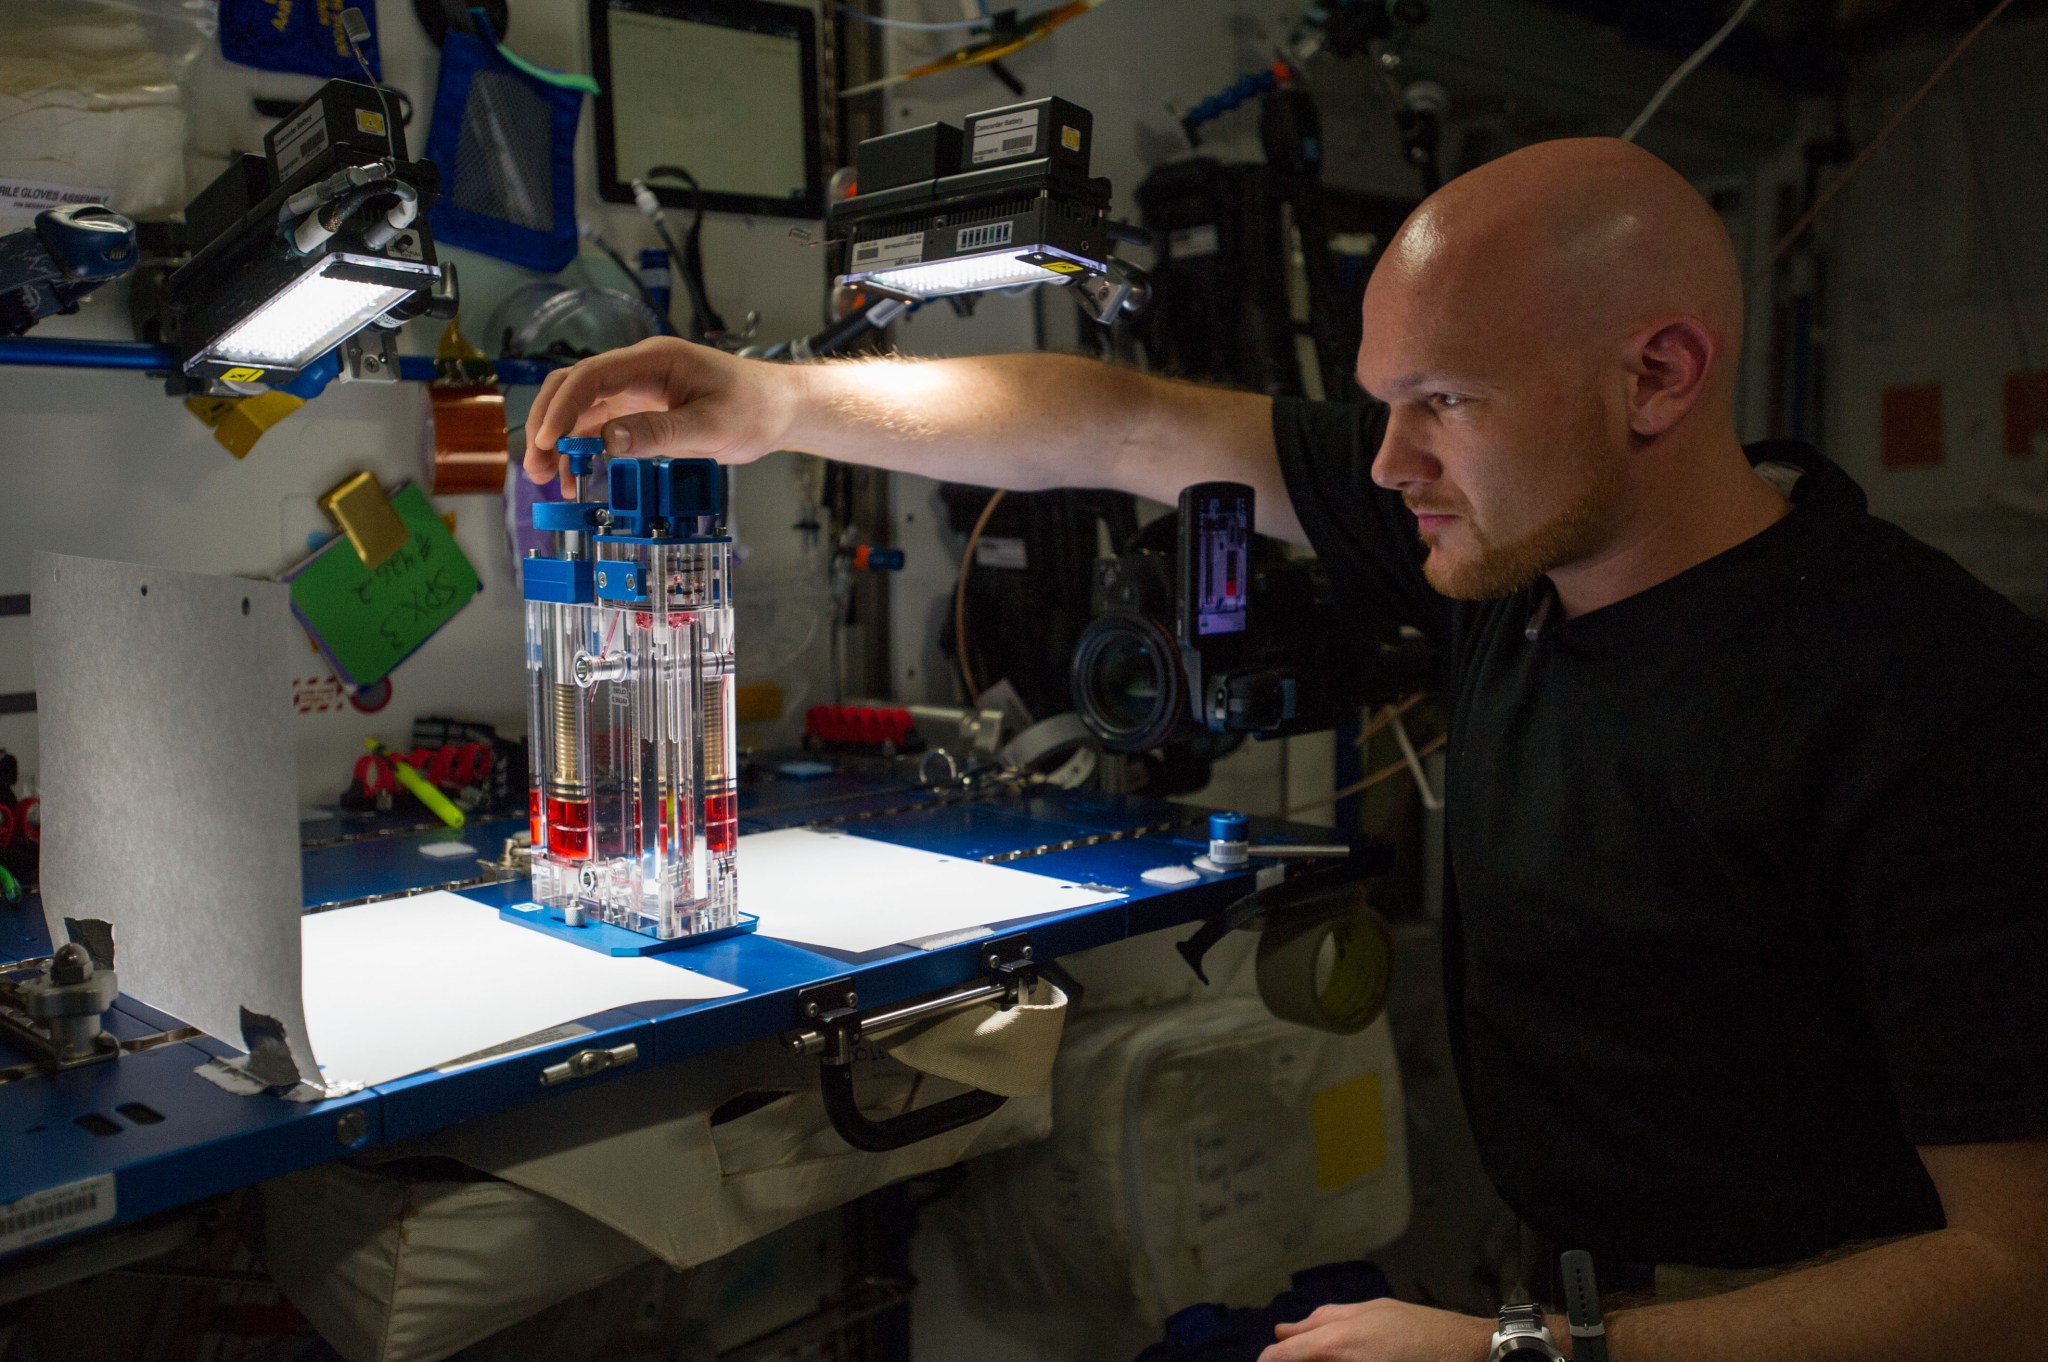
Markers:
1003,202
319,240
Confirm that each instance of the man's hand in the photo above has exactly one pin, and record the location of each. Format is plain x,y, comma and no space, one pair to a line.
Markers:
1381,1331
664,397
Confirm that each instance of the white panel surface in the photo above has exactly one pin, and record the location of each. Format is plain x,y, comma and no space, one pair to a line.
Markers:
850,893
409,984
169,805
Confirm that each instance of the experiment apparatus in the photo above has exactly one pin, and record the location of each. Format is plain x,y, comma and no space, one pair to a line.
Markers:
629,655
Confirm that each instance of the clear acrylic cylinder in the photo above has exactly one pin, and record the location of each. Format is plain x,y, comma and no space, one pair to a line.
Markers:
634,800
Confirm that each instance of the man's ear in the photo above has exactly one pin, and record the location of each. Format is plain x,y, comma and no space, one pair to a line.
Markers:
1669,362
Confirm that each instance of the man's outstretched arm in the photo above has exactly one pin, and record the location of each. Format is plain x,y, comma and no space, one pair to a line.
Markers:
1971,1290
1023,422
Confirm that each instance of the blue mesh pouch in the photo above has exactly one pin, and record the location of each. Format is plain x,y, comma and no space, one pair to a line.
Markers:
273,36
504,140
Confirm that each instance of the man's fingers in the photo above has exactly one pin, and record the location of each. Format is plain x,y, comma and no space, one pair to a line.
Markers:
686,432
1294,1350
1321,1315
539,459
641,369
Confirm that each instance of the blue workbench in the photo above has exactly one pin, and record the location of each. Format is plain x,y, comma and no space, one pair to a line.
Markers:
168,1138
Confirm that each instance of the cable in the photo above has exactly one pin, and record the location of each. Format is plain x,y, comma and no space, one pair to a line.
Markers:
1387,772
1388,714
1827,196
1431,800
960,597
689,260
1687,67
356,30
591,235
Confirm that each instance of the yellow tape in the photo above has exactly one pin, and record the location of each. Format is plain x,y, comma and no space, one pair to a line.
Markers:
239,422
1349,1122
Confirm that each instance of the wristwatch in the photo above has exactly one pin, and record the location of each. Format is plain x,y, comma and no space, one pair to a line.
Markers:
1522,1337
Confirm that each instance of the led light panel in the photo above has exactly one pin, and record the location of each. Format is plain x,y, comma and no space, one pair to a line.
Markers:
968,274
308,319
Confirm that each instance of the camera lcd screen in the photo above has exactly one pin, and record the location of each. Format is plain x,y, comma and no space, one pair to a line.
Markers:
1223,551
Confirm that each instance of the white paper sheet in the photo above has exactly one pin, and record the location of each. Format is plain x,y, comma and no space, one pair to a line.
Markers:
408,984
852,893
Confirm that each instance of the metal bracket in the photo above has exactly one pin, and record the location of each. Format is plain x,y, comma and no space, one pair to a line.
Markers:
830,1026
370,356
1122,292
587,1063
51,1008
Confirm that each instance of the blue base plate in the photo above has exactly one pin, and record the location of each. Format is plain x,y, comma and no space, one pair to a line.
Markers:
610,940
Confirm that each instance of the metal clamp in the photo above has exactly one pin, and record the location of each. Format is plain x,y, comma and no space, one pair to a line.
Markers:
831,1027
588,1063
52,1008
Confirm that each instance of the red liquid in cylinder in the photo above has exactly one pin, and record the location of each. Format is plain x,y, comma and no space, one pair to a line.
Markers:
569,829
536,822
721,822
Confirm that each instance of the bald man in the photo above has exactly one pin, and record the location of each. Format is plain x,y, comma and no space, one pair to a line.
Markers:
1748,790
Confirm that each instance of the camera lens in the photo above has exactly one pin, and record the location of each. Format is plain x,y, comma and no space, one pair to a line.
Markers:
1127,682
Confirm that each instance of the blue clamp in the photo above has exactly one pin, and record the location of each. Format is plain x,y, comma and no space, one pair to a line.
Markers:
619,582
566,581
566,517
692,489
581,451
634,495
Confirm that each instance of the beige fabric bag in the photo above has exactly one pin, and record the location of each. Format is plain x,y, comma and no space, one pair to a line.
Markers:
394,1270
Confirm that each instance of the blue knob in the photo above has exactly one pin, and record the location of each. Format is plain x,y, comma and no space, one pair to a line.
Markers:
1228,834
581,451
1228,827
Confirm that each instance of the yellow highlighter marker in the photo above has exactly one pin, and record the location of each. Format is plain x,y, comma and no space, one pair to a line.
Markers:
418,784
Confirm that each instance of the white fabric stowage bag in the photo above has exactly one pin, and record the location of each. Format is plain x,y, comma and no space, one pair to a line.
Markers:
584,1185
1199,1152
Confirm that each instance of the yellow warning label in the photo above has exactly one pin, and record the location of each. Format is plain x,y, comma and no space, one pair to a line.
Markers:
370,121
1070,138
1060,266
244,375
1350,1128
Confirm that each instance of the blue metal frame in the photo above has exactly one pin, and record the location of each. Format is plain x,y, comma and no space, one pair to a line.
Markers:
209,1141
59,352
602,936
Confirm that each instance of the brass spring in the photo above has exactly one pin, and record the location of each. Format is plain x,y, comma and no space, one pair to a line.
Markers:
568,741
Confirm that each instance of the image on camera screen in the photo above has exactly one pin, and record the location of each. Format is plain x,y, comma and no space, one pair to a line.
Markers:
1225,528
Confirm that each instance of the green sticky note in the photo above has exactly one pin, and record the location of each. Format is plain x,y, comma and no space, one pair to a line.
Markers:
368,621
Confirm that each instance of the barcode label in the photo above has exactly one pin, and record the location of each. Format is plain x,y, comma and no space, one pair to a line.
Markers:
982,238
997,139
60,1210
300,140
892,250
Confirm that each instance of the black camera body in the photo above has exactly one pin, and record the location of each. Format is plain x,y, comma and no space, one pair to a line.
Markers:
1227,635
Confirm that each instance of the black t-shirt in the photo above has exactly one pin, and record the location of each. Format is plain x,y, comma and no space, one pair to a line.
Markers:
1751,867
